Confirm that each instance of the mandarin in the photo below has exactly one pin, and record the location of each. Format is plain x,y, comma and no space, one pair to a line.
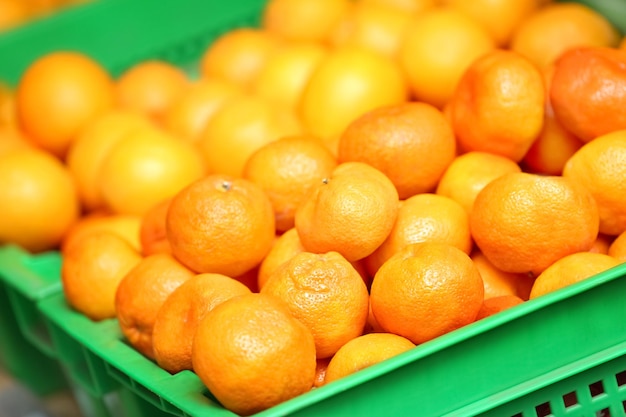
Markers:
150,87
352,212
525,222
424,218
172,338
253,354
498,106
324,292
141,293
285,246
571,269
38,202
92,270
617,248
221,224
494,305
398,138
153,229
600,167
468,173
125,226
498,282
437,49
365,351
58,95
426,290
288,169
587,91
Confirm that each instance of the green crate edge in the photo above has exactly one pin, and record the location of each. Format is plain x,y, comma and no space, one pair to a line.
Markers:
512,341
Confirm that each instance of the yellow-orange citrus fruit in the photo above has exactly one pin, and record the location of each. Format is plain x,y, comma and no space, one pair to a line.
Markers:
410,6
12,138
253,354
398,138
58,94
426,290
92,145
377,27
141,293
153,229
586,91
351,212
125,226
238,55
285,247
92,271
38,202
324,292
494,305
554,28
189,114
468,173
559,214
602,243
498,282
288,169
303,20
192,300
424,218
239,128
617,248
144,168
348,82
498,106
287,71
599,166
150,87
437,49
571,269
221,224
364,351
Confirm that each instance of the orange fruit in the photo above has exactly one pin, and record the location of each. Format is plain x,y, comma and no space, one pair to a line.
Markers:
70,89
7,104
617,248
88,150
365,351
122,225
324,292
150,87
153,229
351,212
599,167
320,372
221,224
498,106
14,13
497,282
141,293
253,354
437,49
287,71
285,247
172,338
410,6
571,269
238,55
586,91
188,115
12,138
468,173
303,20
239,128
146,167
288,169
424,218
377,27
554,28
500,18
348,82
92,270
426,290
525,222
602,243
397,138
494,305
38,202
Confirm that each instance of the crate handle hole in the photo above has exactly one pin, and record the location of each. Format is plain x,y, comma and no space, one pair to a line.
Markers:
620,378
543,410
597,388
570,399
604,413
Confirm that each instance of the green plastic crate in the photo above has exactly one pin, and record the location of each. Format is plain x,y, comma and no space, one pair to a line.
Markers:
563,354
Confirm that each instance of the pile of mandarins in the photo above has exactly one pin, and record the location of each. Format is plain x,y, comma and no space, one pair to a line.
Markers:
345,182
